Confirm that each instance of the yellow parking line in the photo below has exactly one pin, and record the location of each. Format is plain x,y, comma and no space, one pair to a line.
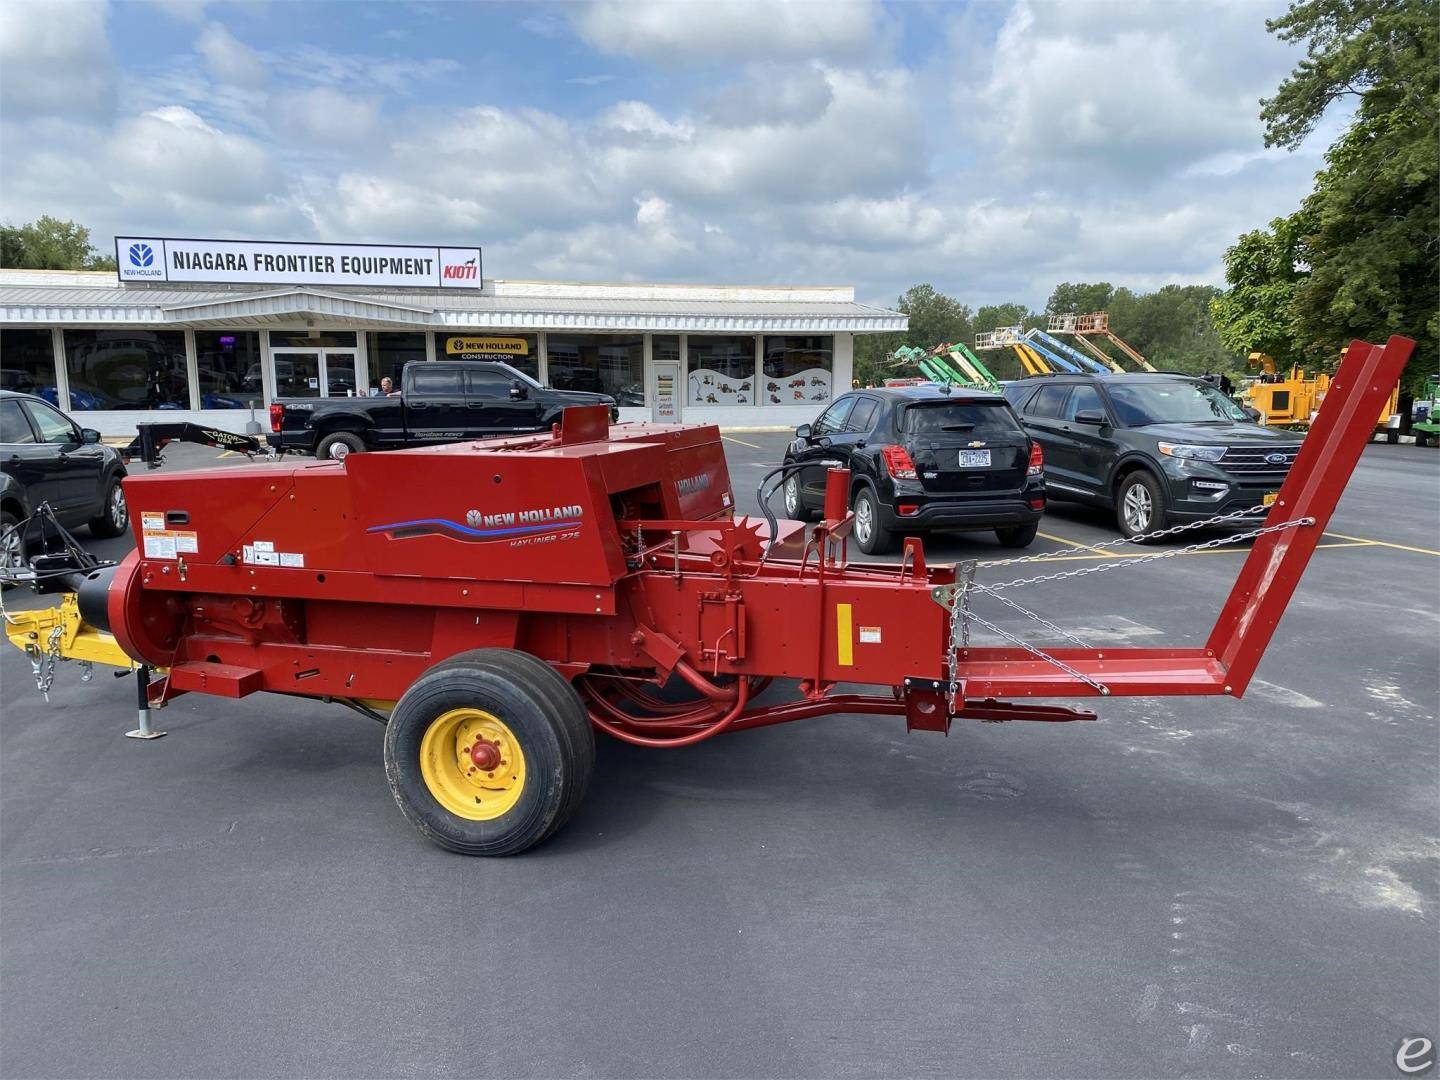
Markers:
225,453
1086,547
1384,543
742,442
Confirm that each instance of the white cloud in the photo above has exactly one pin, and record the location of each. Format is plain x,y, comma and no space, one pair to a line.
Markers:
55,58
172,154
1121,93
326,115
227,58
672,33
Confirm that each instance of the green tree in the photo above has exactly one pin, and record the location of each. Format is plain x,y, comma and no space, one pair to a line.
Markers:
1079,298
50,244
1265,270
935,319
1367,254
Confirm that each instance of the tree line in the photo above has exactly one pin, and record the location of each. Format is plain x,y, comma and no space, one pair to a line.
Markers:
1360,257
1171,327
48,243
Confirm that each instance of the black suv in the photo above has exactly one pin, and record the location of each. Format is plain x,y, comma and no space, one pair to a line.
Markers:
45,457
921,457
1159,449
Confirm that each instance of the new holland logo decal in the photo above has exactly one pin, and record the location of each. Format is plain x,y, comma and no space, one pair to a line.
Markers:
519,527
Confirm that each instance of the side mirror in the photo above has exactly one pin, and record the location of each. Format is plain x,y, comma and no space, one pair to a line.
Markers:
89,435
1095,419
518,391
803,432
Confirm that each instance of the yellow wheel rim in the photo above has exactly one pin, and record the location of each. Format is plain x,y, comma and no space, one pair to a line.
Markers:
472,764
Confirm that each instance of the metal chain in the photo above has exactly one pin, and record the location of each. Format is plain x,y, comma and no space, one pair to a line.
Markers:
1142,560
1032,615
42,662
1139,538
1041,653
956,598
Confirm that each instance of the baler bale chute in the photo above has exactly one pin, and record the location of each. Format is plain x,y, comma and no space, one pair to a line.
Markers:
493,603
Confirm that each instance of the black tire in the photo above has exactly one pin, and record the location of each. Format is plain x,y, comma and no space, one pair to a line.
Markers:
547,720
1148,511
795,508
873,538
114,516
12,543
338,444
1017,536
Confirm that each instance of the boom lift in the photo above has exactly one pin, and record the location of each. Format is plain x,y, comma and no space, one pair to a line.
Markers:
1035,358
950,364
1096,324
495,602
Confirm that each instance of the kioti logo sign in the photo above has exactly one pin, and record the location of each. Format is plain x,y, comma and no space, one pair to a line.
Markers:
466,271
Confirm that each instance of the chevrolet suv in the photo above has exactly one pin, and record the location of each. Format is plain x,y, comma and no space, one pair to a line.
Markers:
1158,449
920,458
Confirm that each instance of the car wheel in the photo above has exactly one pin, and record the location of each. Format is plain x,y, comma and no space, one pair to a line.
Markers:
795,508
1140,505
1018,536
873,538
114,517
12,542
338,446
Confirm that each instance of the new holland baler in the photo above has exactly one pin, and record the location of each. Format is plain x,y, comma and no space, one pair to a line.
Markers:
494,603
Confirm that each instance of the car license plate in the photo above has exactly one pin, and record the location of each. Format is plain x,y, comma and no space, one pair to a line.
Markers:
1269,498
974,459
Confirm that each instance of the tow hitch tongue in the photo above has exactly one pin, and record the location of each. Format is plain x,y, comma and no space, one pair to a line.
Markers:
495,642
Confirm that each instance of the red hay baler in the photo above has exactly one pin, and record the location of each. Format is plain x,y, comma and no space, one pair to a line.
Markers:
495,602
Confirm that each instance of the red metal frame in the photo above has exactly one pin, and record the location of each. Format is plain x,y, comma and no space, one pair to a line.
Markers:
613,555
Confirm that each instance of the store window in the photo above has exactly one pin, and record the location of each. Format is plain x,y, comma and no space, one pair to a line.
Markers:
797,369
389,353
722,370
126,369
27,363
611,364
229,367
520,351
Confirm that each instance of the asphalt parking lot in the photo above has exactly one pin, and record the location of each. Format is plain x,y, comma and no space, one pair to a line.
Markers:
1189,887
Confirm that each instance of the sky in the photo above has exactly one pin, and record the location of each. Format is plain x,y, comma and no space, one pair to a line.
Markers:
992,149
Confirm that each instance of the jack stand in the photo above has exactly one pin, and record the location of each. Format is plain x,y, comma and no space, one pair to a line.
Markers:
142,680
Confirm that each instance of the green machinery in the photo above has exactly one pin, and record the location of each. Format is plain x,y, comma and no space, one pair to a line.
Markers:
949,365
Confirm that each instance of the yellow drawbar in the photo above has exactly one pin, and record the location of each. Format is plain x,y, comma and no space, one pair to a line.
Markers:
845,635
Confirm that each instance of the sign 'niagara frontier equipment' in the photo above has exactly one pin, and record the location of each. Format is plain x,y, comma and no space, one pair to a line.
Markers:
264,262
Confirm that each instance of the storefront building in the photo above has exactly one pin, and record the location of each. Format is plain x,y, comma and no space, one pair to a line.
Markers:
115,350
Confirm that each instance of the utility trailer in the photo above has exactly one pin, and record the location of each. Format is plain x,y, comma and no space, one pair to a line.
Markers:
496,603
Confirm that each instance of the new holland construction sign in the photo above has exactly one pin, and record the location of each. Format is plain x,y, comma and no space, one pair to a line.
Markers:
153,259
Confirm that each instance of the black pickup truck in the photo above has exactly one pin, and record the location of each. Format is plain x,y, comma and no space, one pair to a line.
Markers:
440,402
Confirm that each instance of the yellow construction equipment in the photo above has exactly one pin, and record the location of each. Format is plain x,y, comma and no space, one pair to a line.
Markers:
1292,400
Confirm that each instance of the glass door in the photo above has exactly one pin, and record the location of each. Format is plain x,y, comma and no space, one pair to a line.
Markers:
339,368
296,372
313,372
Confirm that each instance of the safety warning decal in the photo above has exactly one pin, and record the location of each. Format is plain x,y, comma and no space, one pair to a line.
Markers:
159,542
869,635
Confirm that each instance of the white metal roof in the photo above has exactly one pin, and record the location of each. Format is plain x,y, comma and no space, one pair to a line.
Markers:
86,299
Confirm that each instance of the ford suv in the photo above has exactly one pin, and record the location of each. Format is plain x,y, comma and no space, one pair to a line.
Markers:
1158,449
